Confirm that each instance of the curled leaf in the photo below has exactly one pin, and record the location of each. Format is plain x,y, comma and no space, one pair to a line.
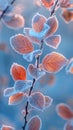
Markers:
53,41
38,22
16,98
37,100
14,21
53,23
64,111
53,62
34,123
18,72
21,44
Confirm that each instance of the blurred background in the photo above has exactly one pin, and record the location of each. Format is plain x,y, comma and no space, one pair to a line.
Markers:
59,86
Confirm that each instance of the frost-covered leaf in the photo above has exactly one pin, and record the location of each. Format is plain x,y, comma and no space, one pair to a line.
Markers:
69,125
35,72
48,101
64,111
6,127
38,22
37,100
29,57
16,98
32,38
53,62
9,91
22,85
34,123
53,23
47,3
53,41
18,72
41,34
21,44
16,21
69,67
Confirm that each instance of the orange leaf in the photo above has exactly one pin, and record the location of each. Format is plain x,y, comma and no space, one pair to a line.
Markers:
18,72
21,44
5,127
16,98
54,62
64,111
53,23
38,22
47,3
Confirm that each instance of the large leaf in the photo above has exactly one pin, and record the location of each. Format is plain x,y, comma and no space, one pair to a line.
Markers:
53,62
34,123
21,44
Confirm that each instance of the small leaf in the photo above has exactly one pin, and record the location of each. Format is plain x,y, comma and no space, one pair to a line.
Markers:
6,127
29,57
34,123
21,44
53,41
64,111
22,85
48,101
38,22
18,72
53,23
69,67
69,125
67,15
53,62
9,91
14,21
47,3
16,98
35,72
37,100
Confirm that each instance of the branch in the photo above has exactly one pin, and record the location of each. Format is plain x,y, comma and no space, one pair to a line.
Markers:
4,11
53,10
34,80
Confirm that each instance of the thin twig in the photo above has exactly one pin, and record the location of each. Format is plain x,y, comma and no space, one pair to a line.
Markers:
53,10
4,11
34,80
